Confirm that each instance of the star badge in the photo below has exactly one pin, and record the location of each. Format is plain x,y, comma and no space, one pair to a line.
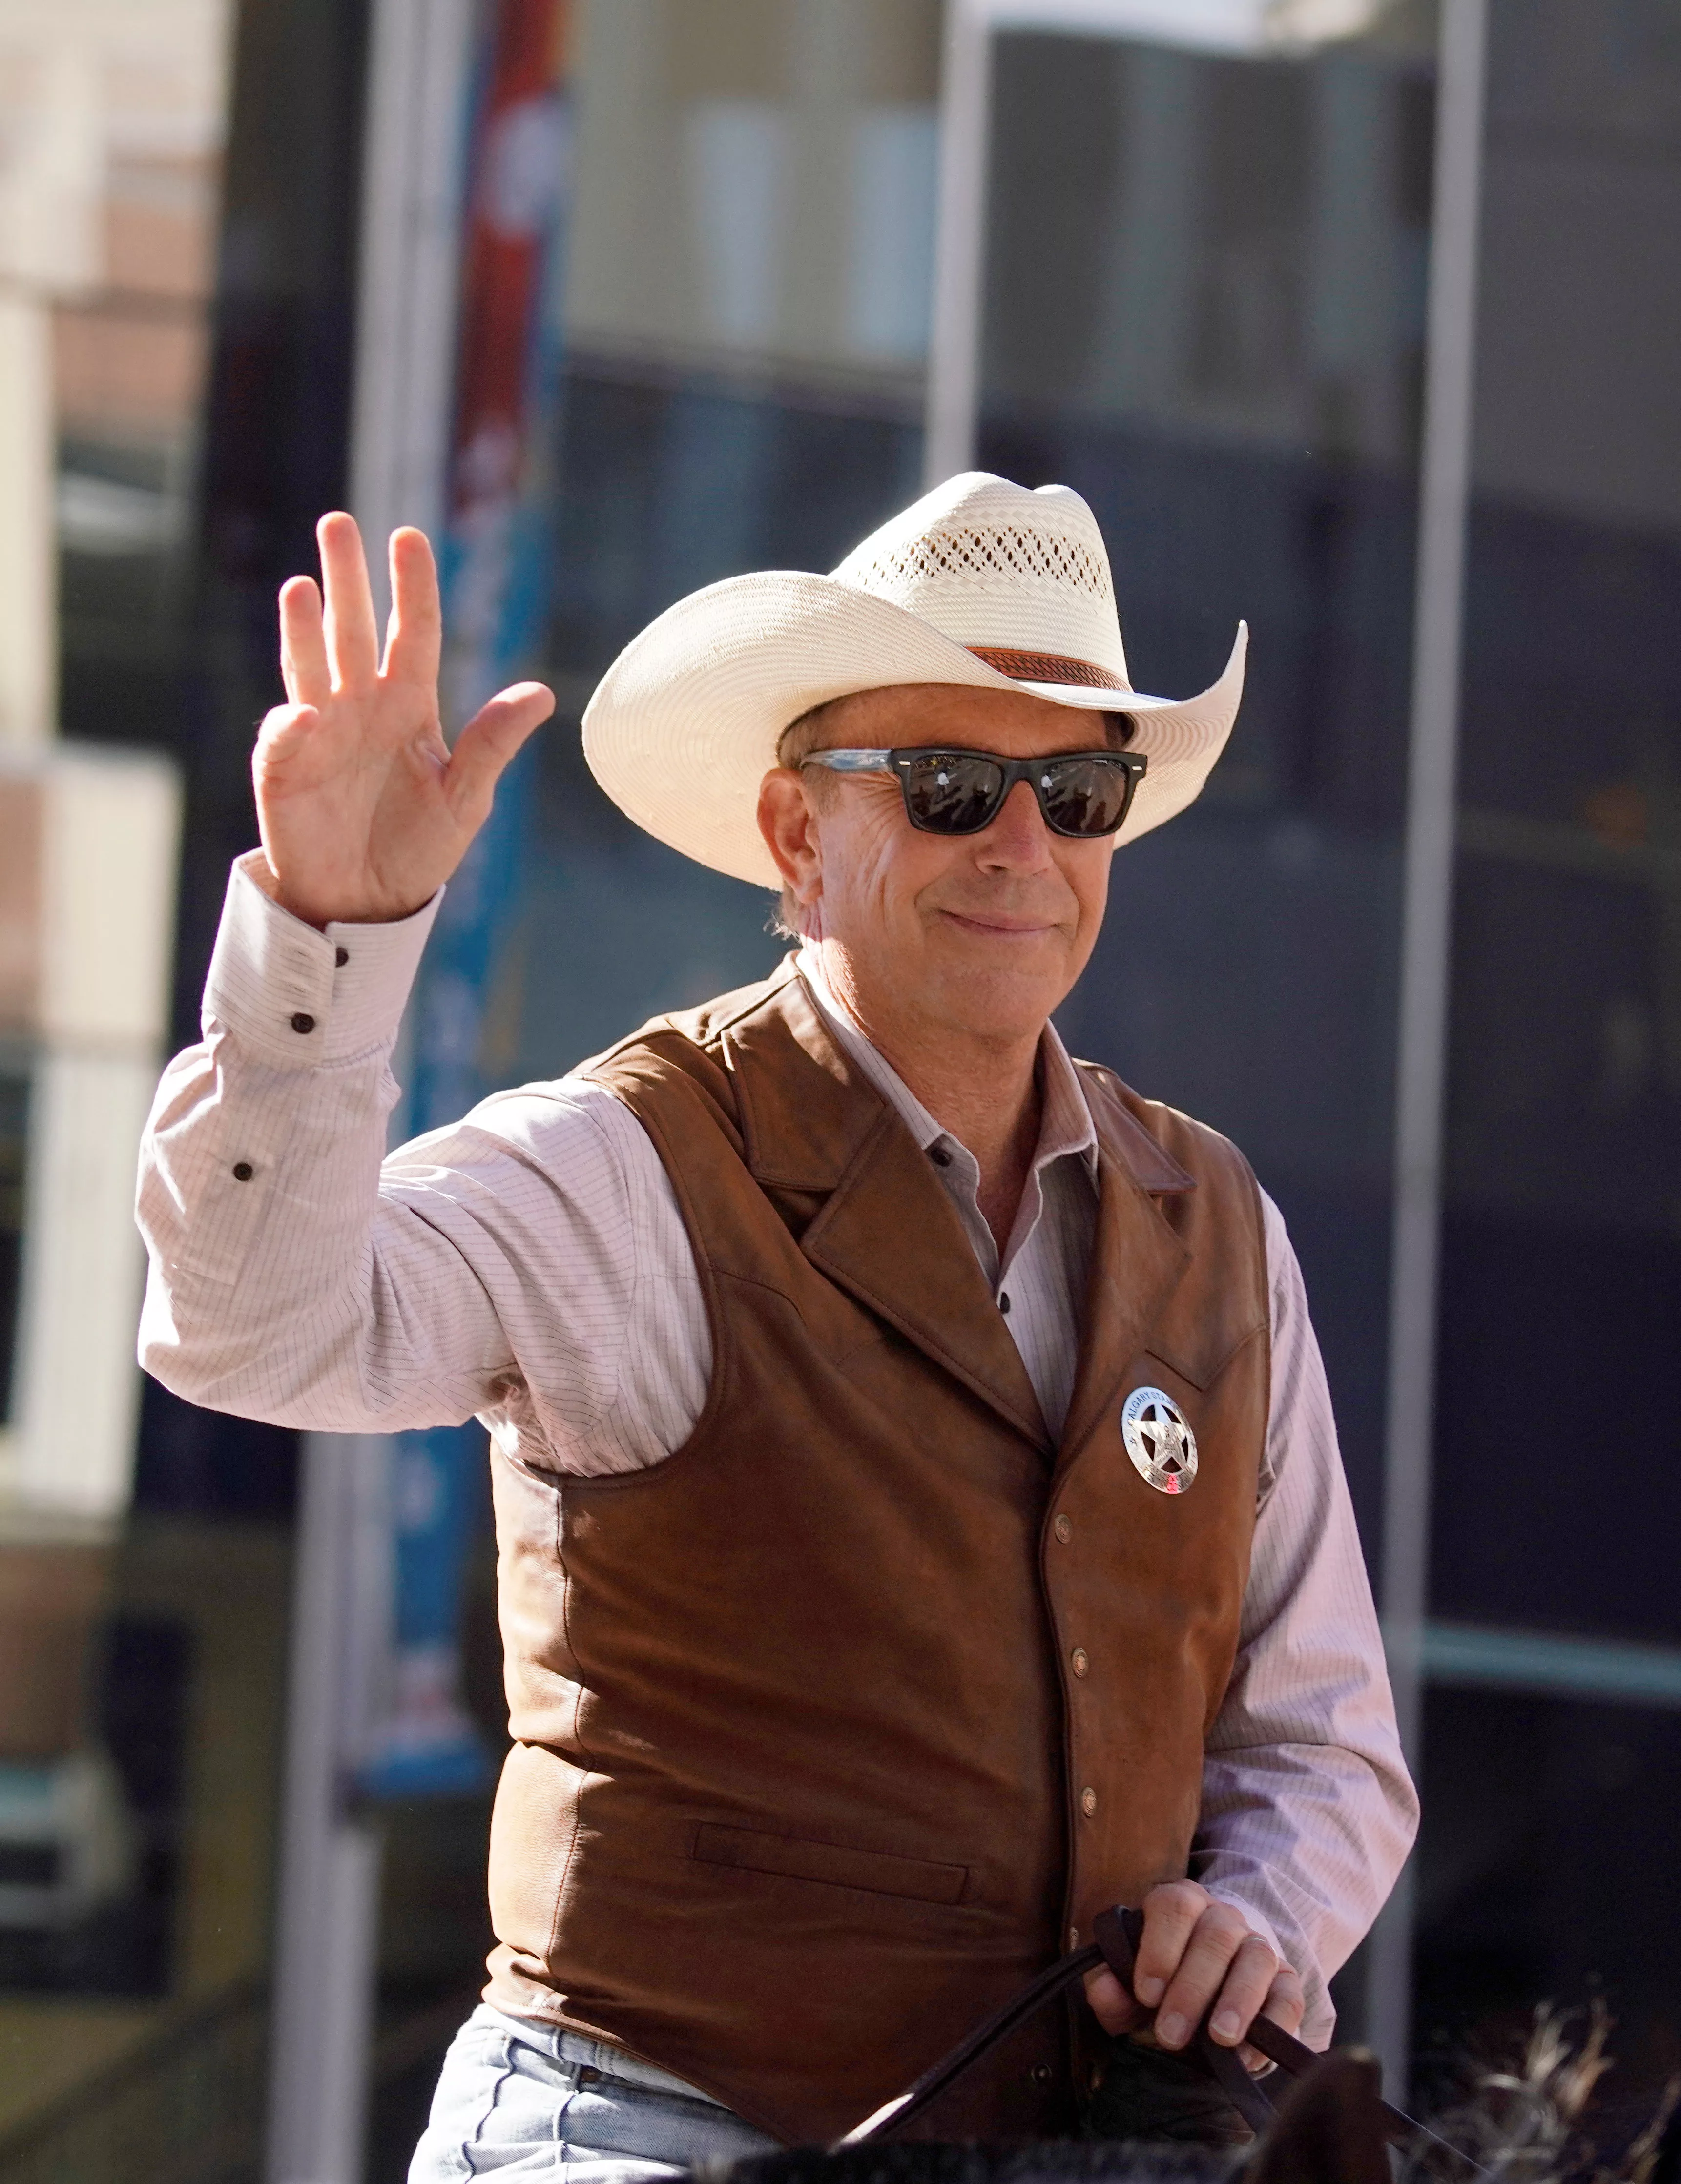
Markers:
1158,1439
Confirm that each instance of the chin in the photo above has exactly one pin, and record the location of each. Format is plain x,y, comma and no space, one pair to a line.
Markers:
993,1000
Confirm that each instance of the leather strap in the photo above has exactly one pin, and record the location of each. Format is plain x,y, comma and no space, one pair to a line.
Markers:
898,2112
1118,1933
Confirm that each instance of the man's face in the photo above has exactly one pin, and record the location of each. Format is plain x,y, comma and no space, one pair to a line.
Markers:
982,934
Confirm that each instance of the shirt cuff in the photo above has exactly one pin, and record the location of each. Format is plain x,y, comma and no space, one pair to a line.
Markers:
297,997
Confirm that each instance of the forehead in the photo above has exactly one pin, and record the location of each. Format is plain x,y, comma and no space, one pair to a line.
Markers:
1013,723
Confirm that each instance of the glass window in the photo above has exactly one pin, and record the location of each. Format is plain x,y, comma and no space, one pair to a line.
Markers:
745,323
1204,311
1556,1497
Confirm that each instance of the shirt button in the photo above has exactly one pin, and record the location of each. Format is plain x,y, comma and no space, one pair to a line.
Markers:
1088,1802
302,1023
1078,1662
1063,1528
940,1157
1073,1937
341,956
242,1171
1003,1300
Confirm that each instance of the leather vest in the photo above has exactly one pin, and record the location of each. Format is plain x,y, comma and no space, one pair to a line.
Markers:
836,1725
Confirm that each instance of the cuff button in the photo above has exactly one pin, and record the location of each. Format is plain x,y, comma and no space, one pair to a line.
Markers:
302,1023
242,1171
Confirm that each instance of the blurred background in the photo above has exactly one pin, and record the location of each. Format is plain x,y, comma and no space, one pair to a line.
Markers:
1356,318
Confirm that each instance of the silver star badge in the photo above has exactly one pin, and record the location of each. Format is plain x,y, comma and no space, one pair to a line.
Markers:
1158,1439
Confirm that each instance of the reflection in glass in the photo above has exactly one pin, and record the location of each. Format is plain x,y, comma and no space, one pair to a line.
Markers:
1204,311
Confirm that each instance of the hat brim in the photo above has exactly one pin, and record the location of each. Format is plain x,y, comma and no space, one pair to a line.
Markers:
684,726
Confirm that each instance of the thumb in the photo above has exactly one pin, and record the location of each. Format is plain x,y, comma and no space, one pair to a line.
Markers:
486,744
1112,2006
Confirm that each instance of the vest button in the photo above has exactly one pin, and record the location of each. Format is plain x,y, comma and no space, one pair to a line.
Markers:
1088,1802
1078,1661
1042,2074
1063,1528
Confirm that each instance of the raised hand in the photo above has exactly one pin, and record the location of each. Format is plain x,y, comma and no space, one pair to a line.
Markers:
365,811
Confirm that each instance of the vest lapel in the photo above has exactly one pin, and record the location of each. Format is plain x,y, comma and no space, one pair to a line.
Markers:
1137,1261
887,1233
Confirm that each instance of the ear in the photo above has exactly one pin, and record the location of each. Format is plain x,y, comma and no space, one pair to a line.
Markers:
789,824
1329,2128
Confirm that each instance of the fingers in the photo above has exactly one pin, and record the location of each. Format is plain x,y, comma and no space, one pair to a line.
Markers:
486,744
1247,1982
302,643
414,644
352,644
1170,1916
1220,1962
1284,2004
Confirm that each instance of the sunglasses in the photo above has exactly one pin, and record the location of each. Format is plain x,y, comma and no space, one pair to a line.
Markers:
1083,794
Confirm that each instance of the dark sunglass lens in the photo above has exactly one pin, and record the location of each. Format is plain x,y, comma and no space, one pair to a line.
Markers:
1084,796
949,793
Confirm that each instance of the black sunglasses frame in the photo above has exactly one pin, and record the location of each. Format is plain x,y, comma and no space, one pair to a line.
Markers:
1131,764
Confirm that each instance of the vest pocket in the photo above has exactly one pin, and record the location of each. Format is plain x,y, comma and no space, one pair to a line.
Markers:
751,1850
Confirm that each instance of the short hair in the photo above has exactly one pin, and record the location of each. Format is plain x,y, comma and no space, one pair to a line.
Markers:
811,730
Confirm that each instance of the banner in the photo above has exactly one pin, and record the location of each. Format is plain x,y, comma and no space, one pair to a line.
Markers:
494,563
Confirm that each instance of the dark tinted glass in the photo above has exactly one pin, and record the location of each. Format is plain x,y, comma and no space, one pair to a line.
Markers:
1084,796
951,793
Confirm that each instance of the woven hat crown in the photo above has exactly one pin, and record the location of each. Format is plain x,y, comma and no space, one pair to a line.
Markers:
990,564
981,585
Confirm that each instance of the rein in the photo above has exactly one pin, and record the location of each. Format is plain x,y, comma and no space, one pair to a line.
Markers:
1118,1933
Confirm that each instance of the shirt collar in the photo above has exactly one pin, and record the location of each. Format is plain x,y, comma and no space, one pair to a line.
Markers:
1065,1126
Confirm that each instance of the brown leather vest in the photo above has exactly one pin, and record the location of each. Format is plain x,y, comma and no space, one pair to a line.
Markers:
836,1725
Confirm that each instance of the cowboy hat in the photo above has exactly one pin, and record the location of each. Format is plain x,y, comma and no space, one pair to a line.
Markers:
981,583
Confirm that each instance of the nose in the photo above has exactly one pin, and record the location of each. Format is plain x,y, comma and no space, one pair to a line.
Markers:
1018,839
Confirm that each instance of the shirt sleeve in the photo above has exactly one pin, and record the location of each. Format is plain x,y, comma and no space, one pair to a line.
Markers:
528,1264
1308,1809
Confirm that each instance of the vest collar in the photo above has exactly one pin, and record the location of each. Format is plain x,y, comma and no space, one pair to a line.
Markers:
811,1124
804,1128
886,1231
1137,1262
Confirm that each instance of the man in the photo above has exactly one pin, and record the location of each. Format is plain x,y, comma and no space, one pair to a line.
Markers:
920,1519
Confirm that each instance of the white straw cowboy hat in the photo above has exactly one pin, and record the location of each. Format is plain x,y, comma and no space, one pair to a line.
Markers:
981,583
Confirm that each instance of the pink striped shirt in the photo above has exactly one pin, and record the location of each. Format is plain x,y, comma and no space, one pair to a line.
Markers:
529,1264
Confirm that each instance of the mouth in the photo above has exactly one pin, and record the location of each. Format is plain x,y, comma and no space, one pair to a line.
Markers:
1000,926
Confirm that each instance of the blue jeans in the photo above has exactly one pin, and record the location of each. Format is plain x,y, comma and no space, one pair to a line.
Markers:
517,2098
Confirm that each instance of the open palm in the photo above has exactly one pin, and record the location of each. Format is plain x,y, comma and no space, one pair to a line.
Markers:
365,811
